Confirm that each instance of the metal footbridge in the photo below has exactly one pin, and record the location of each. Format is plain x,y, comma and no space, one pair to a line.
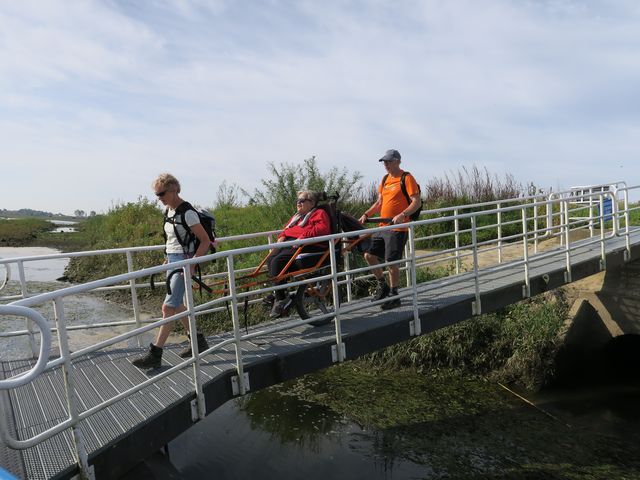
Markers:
82,409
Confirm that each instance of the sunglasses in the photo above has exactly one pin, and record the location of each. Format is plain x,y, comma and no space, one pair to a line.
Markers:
161,194
388,161
302,200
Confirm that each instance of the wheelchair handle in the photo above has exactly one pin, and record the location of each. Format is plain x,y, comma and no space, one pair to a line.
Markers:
378,220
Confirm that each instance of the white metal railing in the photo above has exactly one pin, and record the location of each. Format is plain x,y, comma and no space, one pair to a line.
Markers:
517,223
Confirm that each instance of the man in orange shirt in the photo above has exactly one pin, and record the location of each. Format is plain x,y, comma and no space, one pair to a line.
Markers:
389,245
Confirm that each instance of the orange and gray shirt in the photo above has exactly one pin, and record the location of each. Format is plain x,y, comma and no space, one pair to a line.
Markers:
393,200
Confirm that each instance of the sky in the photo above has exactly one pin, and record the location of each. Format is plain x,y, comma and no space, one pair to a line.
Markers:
99,97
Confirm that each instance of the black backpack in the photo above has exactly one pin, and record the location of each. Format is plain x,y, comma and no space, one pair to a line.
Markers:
415,215
206,220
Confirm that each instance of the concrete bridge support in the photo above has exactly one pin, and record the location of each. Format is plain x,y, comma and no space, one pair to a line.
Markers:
601,340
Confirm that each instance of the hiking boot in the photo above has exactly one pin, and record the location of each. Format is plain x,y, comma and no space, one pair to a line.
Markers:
382,291
395,303
268,300
280,308
153,358
202,346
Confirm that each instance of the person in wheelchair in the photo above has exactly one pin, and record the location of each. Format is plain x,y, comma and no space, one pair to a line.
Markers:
308,221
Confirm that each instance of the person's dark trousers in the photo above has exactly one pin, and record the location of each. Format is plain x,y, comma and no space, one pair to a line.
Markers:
279,259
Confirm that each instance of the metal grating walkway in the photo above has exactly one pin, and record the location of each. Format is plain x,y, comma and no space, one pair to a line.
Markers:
135,427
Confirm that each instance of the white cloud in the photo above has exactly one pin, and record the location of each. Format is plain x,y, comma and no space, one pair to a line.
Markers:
543,90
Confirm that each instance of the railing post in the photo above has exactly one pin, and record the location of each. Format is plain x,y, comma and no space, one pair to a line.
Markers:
591,222
615,211
626,223
86,472
416,328
526,289
562,223
134,297
456,230
535,225
407,273
236,324
193,337
476,306
567,240
347,267
29,323
603,257
340,350
499,220
549,212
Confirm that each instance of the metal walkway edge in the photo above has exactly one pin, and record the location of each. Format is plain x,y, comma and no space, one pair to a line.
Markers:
123,434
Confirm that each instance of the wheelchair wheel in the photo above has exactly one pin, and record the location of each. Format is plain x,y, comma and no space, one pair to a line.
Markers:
314,299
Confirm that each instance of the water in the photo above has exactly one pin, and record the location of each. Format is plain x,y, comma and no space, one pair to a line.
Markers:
65,226
41,276
35,271
292,440
485,433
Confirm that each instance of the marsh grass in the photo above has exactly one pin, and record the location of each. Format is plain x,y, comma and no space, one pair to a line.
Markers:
23,231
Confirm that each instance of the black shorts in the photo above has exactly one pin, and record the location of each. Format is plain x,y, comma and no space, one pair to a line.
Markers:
388,245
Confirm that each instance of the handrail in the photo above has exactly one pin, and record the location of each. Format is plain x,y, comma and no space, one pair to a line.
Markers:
45,346
524,236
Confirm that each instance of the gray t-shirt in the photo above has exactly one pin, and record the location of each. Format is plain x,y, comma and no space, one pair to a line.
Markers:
173,246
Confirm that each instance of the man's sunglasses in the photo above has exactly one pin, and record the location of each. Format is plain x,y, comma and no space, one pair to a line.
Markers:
161,194
302,200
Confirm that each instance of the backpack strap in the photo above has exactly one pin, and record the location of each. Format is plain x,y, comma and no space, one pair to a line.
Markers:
181,210
403,187
384,180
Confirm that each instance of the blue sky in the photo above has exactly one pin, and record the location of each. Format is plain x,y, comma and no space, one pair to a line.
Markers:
97,98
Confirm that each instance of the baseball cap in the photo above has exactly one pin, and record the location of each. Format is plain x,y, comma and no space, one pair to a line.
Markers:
390,155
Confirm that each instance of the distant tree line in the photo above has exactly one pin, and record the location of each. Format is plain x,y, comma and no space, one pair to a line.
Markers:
27,212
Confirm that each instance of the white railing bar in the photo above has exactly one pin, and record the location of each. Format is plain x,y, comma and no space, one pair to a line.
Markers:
417,327
45,346
134,295
236,325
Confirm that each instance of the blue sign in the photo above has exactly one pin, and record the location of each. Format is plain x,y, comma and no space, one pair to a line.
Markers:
607,209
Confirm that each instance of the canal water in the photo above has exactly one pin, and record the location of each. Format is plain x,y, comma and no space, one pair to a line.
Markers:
450,426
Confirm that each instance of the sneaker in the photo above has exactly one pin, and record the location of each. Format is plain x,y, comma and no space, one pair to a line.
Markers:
202,346
280,308
382,291
395,303
153,358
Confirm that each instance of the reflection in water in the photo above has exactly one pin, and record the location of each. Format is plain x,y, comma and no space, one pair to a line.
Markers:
269,435
289,419
273,434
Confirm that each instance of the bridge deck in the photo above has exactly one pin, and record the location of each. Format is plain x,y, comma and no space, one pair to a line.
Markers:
122,434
